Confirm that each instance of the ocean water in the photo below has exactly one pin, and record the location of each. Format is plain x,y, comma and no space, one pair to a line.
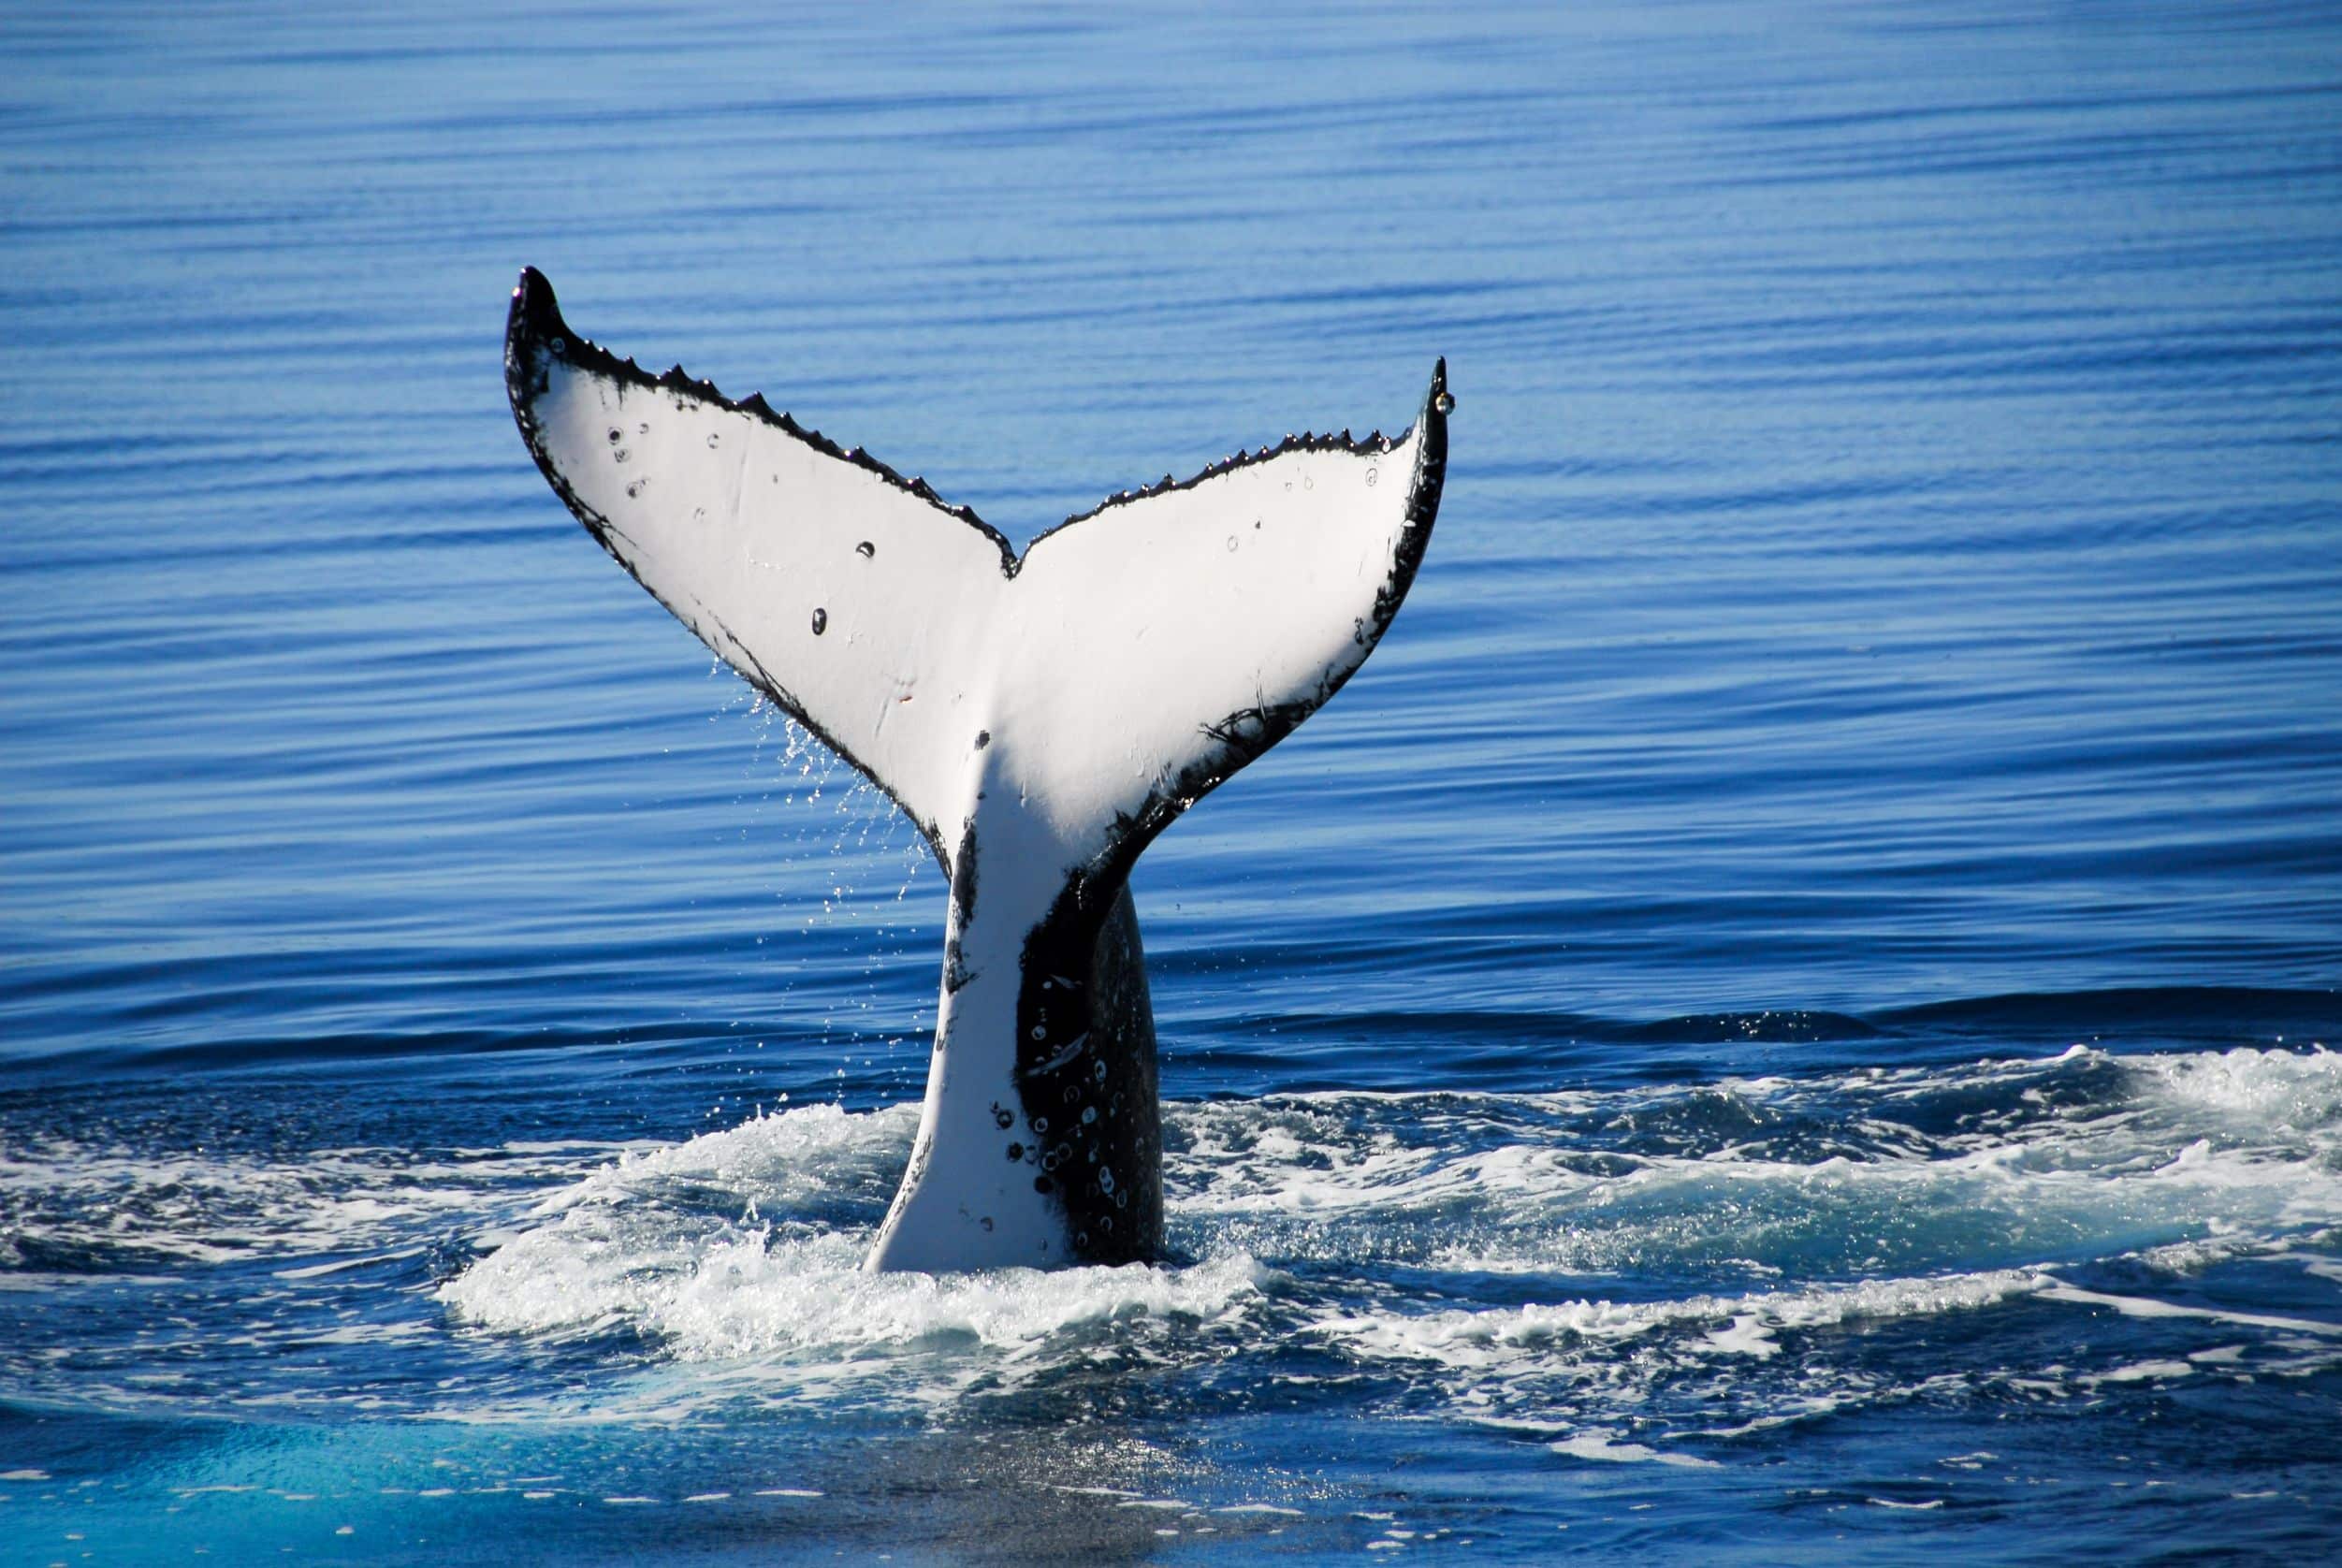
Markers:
1790,1009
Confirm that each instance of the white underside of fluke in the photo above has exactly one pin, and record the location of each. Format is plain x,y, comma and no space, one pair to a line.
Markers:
1046,713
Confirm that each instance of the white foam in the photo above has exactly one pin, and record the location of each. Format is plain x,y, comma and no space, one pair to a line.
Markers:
2285,1090
1505,1336
1747,1336
2140,1372
1603,1446
735,1293
1542,1184
1810,1203
792,1296
202,1208
2142,1306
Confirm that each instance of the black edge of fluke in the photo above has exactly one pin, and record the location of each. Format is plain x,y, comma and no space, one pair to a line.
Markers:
1245,734
536,314
535,324
1434,421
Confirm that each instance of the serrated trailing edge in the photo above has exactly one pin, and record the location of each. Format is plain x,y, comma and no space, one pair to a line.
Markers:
535,324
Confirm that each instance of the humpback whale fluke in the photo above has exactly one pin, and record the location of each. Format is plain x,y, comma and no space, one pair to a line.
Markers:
1041,717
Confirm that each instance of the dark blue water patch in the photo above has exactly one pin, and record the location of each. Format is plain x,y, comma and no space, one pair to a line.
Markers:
2205,1013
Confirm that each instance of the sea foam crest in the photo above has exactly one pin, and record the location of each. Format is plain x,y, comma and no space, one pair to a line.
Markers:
1684,1248
750,1242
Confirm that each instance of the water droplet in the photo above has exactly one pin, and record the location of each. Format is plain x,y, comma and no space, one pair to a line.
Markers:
1041,1124
1445,403
558,345
1371,475
618,456
821,620
1039,1033
1017,1151
1106,1177
642,430
616,435
1231,542
713,440
1097,1070
865,549
1308,483
1001,1117
636,487
1089,1112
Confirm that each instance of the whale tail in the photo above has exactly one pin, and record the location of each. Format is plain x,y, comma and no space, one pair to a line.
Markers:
1041,717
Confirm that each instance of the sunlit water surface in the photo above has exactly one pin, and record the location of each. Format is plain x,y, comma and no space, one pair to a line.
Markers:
1786,1011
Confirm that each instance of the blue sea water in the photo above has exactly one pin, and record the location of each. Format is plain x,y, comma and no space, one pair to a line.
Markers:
1785,1013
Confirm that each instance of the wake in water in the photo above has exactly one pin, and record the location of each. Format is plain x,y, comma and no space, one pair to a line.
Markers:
1643,1274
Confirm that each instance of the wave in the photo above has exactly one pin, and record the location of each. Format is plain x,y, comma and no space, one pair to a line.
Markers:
1494,1252
212,1003
1648,1272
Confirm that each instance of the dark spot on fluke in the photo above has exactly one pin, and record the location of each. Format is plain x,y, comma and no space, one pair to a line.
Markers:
821,620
